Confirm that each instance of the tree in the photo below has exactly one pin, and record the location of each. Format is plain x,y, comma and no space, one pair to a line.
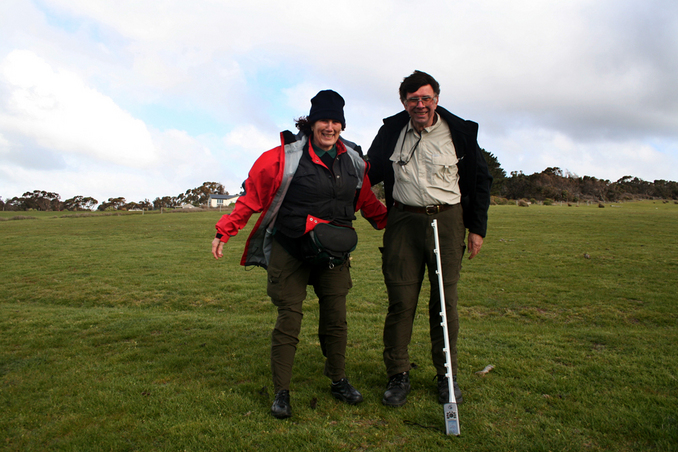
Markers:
497,173
166,202
39,200
141,205
634,186
553,171
517,186
13,204
79,202
113,204
146,204
666,189
378,190
199,195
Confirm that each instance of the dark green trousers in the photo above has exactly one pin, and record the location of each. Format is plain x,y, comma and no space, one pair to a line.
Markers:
287,281
408,251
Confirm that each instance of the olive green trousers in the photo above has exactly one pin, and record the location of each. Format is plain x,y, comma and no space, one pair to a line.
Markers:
287,281
408,252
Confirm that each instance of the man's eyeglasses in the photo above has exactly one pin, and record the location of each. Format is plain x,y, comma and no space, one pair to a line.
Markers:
414,101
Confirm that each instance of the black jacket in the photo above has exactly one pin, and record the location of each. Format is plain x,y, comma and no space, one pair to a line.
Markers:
474,177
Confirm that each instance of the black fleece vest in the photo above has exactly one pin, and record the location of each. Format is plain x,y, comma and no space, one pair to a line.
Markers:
319,192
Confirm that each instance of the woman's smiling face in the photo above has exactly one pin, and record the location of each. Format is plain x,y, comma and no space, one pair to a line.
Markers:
325,133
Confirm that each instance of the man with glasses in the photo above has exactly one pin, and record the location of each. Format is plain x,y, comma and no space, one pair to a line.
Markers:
432,168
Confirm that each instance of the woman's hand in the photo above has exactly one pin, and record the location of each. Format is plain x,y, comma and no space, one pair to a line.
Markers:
217,248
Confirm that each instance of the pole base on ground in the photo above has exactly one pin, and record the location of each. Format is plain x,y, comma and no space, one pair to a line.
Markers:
451,419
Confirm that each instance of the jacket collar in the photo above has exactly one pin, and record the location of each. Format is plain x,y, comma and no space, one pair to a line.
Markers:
314,157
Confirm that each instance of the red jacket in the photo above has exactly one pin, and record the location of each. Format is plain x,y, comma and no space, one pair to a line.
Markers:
266,186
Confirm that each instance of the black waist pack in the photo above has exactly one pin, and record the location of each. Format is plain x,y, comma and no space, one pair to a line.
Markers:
330,244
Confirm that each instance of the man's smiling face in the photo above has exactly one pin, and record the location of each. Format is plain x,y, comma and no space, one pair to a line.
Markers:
423,111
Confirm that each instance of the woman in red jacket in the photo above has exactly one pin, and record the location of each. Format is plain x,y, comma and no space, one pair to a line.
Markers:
307,190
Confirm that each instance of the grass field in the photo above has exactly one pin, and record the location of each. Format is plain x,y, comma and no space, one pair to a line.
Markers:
123,333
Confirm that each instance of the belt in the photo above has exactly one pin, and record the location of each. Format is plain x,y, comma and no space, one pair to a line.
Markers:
428,210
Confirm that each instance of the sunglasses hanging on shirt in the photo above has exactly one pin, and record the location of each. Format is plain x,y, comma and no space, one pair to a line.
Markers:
402,162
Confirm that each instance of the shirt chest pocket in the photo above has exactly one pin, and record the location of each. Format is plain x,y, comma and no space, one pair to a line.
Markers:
441,169
402,173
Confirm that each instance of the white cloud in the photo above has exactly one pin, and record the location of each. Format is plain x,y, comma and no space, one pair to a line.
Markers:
185,163
4,144
248,138
56,110
532,150
298,97
241,147
56,133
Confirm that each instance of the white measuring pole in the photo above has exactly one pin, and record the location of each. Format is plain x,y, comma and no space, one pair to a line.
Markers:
450,408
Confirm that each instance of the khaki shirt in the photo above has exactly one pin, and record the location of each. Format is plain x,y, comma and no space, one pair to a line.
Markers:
429,175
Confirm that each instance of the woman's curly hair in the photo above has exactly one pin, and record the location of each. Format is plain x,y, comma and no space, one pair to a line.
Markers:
304,125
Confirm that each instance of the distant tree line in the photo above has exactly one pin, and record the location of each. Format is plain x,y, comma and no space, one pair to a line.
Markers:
49,201
552,184
557,185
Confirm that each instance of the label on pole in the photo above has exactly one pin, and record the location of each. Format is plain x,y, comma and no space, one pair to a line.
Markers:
451,419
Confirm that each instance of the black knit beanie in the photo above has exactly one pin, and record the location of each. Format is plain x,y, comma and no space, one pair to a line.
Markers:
327,104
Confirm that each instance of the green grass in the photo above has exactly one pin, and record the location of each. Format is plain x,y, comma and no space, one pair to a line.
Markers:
123,333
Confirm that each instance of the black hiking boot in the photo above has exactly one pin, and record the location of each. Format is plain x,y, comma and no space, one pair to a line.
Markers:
343,391
397,389
444,392
281,406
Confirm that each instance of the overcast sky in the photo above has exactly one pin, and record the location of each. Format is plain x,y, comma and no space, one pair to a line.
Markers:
141,99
